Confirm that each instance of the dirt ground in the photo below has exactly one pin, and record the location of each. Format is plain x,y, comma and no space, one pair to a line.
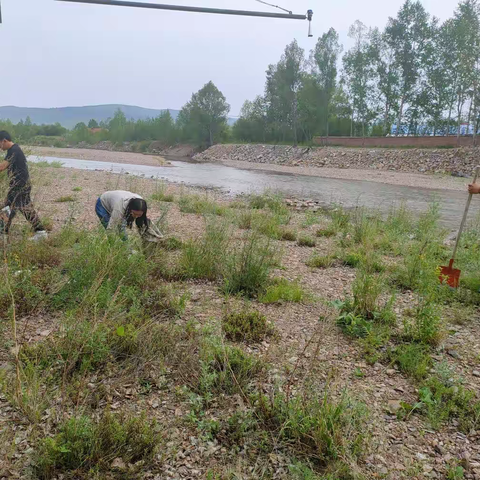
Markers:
397,449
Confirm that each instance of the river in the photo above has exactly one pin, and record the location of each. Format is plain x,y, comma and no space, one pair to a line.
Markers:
326,191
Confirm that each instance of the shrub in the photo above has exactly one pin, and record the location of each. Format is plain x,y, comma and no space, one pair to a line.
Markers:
244,220
283,290
246,326
354,325
306,241
248,266
84,444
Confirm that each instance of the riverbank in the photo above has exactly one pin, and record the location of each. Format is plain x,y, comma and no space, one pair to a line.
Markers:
415,180
456,161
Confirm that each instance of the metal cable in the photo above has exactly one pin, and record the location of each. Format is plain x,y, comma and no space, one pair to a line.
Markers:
274,6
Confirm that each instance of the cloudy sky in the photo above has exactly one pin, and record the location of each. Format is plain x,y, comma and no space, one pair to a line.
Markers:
60,54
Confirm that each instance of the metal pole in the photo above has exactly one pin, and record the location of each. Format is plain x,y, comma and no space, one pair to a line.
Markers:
0,13
121,3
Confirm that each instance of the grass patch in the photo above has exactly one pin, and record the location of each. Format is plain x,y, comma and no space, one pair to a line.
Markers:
306,241
46,164
283,290
321,261
412,359
326,232
249,265
77,189
87,446
250,326
199,204
288,235
66,199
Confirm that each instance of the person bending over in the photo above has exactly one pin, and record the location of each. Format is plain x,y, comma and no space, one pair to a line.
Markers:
118,209
19,191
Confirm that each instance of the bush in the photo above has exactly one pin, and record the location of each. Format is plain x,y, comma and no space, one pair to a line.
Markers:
283,290
248,267
424,324
306,241
246,326
83,445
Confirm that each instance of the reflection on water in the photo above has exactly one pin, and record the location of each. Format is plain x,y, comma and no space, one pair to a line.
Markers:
325,190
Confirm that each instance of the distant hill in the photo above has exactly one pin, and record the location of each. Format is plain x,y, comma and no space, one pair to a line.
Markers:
70,116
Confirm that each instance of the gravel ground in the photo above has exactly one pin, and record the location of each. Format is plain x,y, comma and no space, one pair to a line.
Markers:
99,155
397,449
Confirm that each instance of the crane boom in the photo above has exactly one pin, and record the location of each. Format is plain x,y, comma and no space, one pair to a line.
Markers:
181,8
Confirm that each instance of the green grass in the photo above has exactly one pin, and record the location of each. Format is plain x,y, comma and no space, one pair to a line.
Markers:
200,204
86,446
321,261
283,290
77,189
413,360
46,164
327,232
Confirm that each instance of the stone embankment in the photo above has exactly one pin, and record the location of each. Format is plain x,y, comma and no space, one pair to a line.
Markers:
457,161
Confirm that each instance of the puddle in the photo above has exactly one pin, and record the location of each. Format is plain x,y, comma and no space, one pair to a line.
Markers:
325,190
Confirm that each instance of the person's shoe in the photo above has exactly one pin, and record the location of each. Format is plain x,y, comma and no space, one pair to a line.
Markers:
41,235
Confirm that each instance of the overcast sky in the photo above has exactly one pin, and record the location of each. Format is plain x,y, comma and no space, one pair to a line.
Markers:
61,54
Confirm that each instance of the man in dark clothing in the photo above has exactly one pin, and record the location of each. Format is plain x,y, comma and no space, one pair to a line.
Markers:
18,196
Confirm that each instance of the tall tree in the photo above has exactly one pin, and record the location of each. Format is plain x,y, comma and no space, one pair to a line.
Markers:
386,77
467,45
204,117
324,59
92,123
358,72
284,81
407,35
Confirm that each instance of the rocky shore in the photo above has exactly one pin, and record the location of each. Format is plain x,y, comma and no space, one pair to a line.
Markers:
457,162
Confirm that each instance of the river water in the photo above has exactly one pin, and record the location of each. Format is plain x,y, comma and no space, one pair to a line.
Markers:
236,181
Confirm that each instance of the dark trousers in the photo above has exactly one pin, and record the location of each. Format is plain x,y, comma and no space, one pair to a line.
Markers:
18,199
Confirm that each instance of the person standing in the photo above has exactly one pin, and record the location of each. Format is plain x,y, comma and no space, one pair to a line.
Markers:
19,191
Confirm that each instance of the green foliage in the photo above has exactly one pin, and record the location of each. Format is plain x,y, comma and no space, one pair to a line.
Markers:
204,118
412,359
161,195
442,402
84,445
327,232
288,235
424,324
282,290
246,325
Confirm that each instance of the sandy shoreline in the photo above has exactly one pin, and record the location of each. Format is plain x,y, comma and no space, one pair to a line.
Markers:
418,180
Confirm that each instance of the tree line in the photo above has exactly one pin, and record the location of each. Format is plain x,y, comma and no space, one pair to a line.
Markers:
418,73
